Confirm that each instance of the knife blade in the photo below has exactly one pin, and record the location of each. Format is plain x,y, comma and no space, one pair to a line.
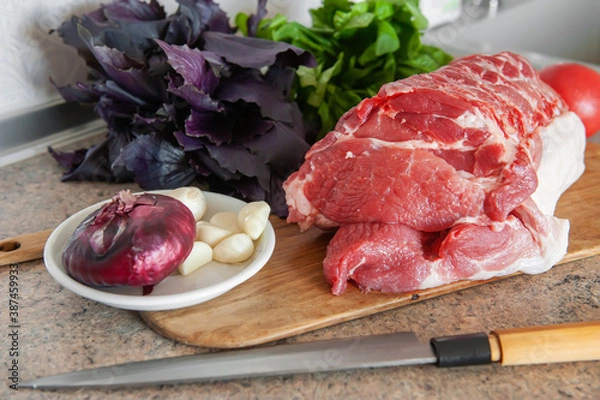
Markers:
534,345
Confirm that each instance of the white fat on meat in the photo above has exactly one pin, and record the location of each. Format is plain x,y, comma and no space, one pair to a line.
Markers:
562,160
555,247
562,164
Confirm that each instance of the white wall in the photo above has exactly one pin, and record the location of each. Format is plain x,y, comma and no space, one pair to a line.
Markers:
29,56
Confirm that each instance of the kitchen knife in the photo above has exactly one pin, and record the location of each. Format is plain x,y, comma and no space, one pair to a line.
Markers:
546,344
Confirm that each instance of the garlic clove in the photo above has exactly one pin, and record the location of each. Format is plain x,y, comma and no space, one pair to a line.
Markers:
227,220
234,249
210,233
200,255
193,198
253,218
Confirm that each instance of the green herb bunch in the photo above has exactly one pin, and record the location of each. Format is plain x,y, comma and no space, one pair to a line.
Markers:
359,46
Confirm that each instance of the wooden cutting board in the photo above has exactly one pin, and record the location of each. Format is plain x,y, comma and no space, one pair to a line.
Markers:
290,296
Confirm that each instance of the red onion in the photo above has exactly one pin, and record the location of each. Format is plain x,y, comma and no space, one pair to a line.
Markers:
132,240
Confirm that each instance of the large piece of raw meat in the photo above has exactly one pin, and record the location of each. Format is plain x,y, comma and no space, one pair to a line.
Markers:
441,177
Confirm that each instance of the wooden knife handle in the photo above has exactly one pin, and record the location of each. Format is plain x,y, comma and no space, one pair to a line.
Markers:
23,248
546,344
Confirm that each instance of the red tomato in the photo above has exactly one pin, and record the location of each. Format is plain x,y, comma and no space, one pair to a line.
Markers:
579,86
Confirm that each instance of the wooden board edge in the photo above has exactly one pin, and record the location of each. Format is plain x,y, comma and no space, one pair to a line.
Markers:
395,301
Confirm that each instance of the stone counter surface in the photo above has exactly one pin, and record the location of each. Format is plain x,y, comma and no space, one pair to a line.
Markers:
61,332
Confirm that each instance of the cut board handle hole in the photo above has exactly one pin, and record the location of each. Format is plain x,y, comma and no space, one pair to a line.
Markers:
9,246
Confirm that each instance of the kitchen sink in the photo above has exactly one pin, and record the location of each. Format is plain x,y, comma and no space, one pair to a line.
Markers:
545,31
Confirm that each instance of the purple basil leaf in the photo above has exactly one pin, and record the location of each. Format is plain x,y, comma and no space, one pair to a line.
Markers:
236,158
79,93
135,39
111,111
114,91
281,77
194,17
117,139
156,122
251,87
216,63
157,64
249,189
251,125
217,173
275,148
189,144
250,52
126,72
197,99
68,160
179,31
191,65
126,25
133,10
276,197
254,19
131,27
69,33
156,163
97,164
206,14
114,103
216,127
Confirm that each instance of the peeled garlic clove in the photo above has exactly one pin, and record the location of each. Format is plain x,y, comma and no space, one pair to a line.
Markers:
234,249
193,198
200,255
227,220
253,217
210,234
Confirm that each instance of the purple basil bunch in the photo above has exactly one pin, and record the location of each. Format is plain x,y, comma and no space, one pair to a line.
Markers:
186,100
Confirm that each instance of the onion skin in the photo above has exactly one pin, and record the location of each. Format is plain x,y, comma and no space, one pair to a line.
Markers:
132,240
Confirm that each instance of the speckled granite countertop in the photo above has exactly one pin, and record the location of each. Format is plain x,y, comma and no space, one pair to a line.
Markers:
60,331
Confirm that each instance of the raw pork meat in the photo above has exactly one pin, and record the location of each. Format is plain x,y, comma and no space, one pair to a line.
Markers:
442,177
